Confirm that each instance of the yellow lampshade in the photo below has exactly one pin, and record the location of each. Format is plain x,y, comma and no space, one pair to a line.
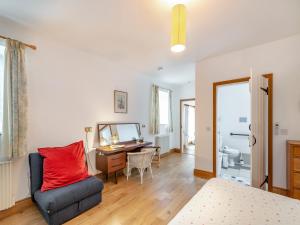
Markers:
178,35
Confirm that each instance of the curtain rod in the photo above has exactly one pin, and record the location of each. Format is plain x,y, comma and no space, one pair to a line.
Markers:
27,45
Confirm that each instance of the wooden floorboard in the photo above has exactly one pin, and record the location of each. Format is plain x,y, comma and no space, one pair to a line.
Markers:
128,203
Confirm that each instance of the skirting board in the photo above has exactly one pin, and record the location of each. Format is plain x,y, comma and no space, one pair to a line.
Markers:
176,150
19,207
173,150
203,174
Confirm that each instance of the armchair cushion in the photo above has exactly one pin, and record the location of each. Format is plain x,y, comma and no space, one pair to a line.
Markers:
54,200
63,165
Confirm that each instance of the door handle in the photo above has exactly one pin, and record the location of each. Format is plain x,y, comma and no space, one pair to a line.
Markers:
253,142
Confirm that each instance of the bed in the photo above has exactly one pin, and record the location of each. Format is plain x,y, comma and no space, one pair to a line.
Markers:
223,202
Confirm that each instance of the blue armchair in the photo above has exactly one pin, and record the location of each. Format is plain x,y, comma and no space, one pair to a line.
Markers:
62,204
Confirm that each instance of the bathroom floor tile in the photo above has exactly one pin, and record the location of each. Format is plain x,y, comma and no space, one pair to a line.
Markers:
239,175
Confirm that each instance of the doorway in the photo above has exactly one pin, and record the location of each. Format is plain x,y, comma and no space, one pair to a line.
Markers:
187,126
256,129
233,123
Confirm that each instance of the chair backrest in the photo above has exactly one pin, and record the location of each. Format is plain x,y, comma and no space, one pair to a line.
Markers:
140,159
36,172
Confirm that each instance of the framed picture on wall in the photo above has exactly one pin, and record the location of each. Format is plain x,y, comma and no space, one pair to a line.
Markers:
120,101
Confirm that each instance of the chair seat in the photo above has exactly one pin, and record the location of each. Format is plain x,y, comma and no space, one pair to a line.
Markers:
54,200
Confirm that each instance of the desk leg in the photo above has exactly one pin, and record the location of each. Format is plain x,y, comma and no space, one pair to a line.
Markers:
116,179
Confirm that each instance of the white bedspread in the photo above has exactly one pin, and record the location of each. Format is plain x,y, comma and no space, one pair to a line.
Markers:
223,202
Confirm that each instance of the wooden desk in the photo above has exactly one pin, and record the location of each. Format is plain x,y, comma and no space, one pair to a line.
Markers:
111,160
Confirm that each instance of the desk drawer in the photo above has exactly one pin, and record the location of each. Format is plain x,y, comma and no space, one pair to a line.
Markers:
116,156
116,162
296,164
296,177
296,151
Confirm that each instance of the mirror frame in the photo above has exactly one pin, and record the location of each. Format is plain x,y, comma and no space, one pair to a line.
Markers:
115,123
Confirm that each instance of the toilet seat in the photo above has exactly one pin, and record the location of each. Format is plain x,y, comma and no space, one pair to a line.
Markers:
231,151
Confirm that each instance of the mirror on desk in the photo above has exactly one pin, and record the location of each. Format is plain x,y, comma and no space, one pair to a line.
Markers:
115,133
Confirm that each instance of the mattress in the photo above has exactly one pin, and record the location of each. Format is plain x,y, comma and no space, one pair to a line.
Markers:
224,202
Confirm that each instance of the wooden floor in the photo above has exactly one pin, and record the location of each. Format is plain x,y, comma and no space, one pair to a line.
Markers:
128,203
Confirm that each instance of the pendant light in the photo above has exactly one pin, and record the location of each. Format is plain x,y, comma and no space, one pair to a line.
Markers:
178,35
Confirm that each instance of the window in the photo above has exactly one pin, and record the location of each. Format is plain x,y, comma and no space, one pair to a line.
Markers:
164,106
2,49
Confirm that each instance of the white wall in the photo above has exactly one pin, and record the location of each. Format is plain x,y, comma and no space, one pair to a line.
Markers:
233,102
187,90
280,58
70,89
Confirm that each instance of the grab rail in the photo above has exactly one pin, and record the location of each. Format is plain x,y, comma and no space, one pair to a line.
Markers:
237,134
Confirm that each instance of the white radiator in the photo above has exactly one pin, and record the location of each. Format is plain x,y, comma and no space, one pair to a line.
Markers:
164,142
6,187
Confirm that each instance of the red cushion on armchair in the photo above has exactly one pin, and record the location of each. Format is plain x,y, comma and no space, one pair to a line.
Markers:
63,165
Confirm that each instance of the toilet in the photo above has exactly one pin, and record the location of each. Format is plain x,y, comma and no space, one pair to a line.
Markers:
232,154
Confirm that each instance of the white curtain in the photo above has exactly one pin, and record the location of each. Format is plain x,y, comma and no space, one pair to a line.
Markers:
154,116
14,138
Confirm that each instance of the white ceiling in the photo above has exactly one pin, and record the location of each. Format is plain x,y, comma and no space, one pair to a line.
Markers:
136,32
